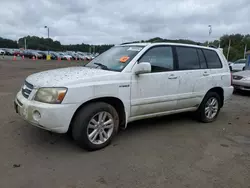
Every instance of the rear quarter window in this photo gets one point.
(212, 58)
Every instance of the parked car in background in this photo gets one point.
(27, 53)
(32, 54)
(80, 56)
(83, 56)
(238, 65)
(72, 54)
(18, 53)
(2, 52)
(8, 51)
(44, 54)
(56, 56)
(241, 80)
(126, 83)
(53, 56)
(65, 56)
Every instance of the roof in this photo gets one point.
(133, 44)
(167, 43)
(248, 52)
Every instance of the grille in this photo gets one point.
(237, 77)
(26, 89)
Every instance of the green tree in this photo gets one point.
(238, 43)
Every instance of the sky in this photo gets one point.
(116, 21)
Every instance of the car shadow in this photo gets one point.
(159, 123)
(63, 143)
(242, 93)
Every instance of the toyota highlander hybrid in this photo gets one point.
(126, 83)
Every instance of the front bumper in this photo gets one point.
(53, 117)
(242, 85)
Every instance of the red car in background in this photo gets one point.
(18, 53)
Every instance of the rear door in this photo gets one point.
(194, 75)
(216, 70)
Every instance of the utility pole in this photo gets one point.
(48, 36)
(228, 50)
(245, 50)
(25, 44)
(209, 32)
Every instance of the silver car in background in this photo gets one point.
(241, 80)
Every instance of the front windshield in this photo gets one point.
(116, 58)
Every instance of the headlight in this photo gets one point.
(50, 95)
(246, 78)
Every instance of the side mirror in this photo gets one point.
(141, 68)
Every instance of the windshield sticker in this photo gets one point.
(137, 49)
(123, 59)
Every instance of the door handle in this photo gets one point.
(172, 77)
(205, 74)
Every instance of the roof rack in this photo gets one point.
(127, 43)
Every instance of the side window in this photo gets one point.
(240, 61)
(213, 60)
(160, 58)
(187, 58)
(202, 59)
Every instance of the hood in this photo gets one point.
(65, 76)
(245, 73)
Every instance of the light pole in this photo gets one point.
(209, 32)
(48, 36)
(25, 44)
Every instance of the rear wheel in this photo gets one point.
(95, 125)
(209, 108)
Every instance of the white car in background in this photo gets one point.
(238, 65)
(65, 56)
(2, 52)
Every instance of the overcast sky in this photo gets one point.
(116, 21)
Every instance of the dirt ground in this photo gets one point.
(173, 151)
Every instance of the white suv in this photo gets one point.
(126, 83)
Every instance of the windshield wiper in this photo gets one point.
(102, 66)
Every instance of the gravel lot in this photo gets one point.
(173, 151)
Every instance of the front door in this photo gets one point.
(155, 92)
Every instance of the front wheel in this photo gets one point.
(95, 125)
(209, 108)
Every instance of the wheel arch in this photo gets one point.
(219, 91)
(113, 101)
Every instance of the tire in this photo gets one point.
(243, 68)
(201, 115)
(81, 125)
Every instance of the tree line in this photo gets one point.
(238, 43)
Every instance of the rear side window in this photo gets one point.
(187, 58)
(213, 60)
(202, 59)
